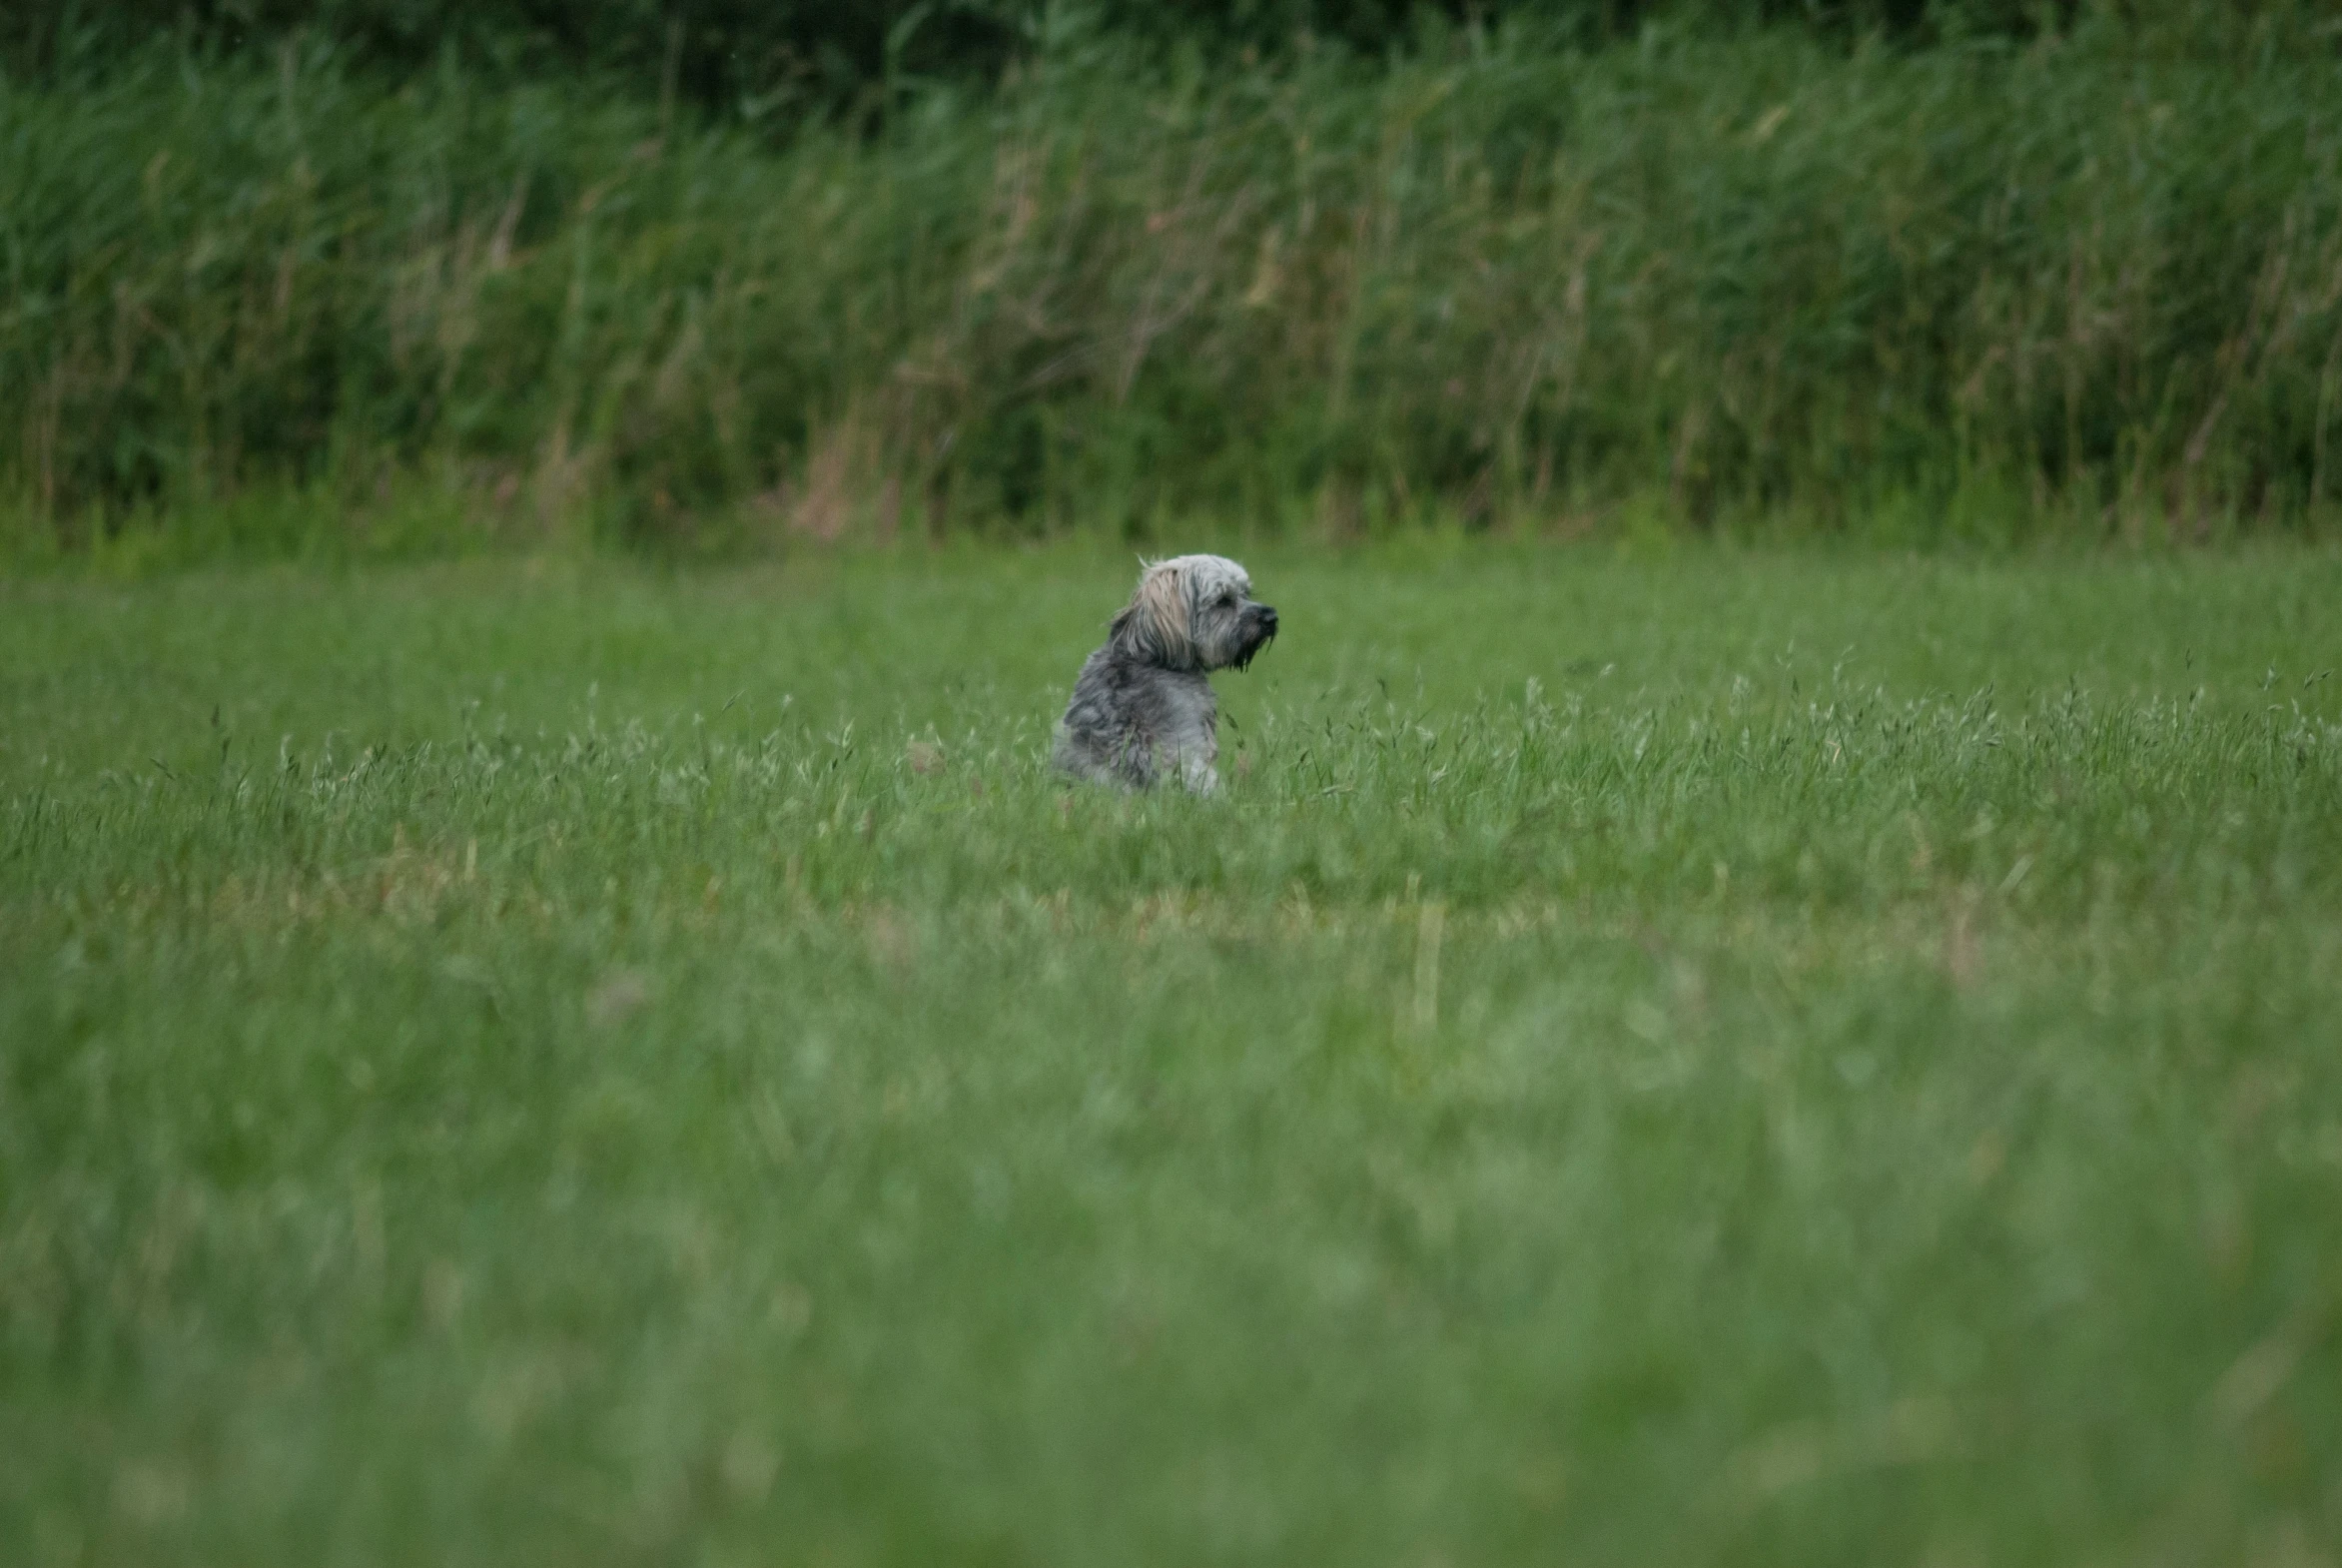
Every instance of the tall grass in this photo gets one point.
(2081, 286)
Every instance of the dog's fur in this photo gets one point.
(1143, 708)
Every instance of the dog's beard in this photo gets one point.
(1249, 650)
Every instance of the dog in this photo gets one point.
(1142, 710)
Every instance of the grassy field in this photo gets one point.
(1756, 1058)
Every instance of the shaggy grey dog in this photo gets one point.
(1142, 710)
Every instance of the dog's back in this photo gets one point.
(1131, 724)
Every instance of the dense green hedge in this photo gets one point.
(723, 54)
(1757, 275)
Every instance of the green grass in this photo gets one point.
(1718, 1058)
(275, 306)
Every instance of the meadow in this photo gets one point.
(1670, 1057)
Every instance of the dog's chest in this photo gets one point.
(1189, 716)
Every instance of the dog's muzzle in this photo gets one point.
(1259, 632)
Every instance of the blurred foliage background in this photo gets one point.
(716, 52)
(403, 274)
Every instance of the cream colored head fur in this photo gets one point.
(1191, 613)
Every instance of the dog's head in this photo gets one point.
(1195, 612)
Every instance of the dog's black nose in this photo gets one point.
(1269, 618)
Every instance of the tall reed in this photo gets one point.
(1756, 282)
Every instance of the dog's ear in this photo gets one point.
(1153, 625)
